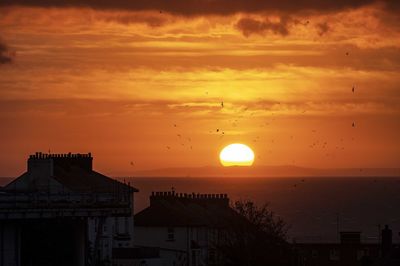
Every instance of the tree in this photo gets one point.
(256, 236)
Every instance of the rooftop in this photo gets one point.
(73, 171)
(182, 209)
(64, 185)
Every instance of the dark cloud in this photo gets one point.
(6, 56)
(249, 26)
(203, 7)
(129, 18)
(323, 28)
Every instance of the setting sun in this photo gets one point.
(236, 154)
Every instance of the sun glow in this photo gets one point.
(236, 154)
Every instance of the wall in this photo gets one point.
(179, 250)
(9, 245)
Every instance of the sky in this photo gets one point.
(140, 84)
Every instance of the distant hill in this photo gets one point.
(258, 171)
(266, 171)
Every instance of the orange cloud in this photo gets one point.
(6, 55)
(115, 82)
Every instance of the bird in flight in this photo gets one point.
(222, 104)
(353, 125)
(353, 89)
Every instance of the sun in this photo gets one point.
(236, 154)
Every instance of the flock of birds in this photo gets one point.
(241, 113)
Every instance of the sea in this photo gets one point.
(315, 209)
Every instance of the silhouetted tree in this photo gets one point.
(255, 237)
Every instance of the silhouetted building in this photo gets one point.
(185, 227)
(349, 252)
(61, 212)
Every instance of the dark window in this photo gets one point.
(126, 225)
(170, 234)
(211, 256)
(194, 258)
(314, 253)
(334, 254)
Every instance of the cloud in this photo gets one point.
(249, 26)
(6, 56)
(132, 18)
(238, 109)
(323, 28)
(205, 7)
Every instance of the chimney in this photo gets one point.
(44, 164)
(386, 240)
(39, 165)
(204, 199)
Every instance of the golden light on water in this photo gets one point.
(236, 154)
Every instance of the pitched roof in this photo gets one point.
(73, 171)
(80, 180)
(182, 211)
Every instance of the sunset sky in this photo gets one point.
(143, 82)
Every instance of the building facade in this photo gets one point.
(185, 227)
(62, 212)
(350, 251)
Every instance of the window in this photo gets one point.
(314, 253)
(366, 251)
(334, 254)
(126, 225)
(211, 256)
(360, 254)
(116, 225)
(170, 234)
(194, 258)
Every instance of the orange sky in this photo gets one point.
(114, 80)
